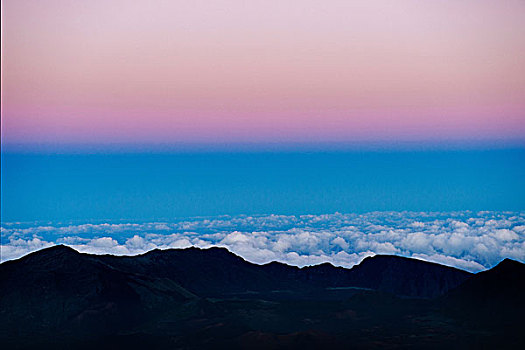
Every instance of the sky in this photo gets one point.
(298, 131)
(262, 72)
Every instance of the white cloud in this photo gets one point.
(20, 247)
(505, 235)
(472, 241)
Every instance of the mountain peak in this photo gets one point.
(60, 248)
(386, 260)
(407, 276)
(53, 252)
(509, 263)
(507, 266)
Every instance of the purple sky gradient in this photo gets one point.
(175, 72)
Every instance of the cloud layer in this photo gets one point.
(467, 240)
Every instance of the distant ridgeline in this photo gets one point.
(211, 298)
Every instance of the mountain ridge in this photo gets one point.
(211, 298)
(61, 248)
(388, 273)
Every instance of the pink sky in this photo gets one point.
(120, 71)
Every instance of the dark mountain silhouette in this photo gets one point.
(498, 292)
(217, 272)
(406, 277)
(59, 287)
(211, 298)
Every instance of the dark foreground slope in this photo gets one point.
(194, 298)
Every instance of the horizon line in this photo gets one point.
(260, 147)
